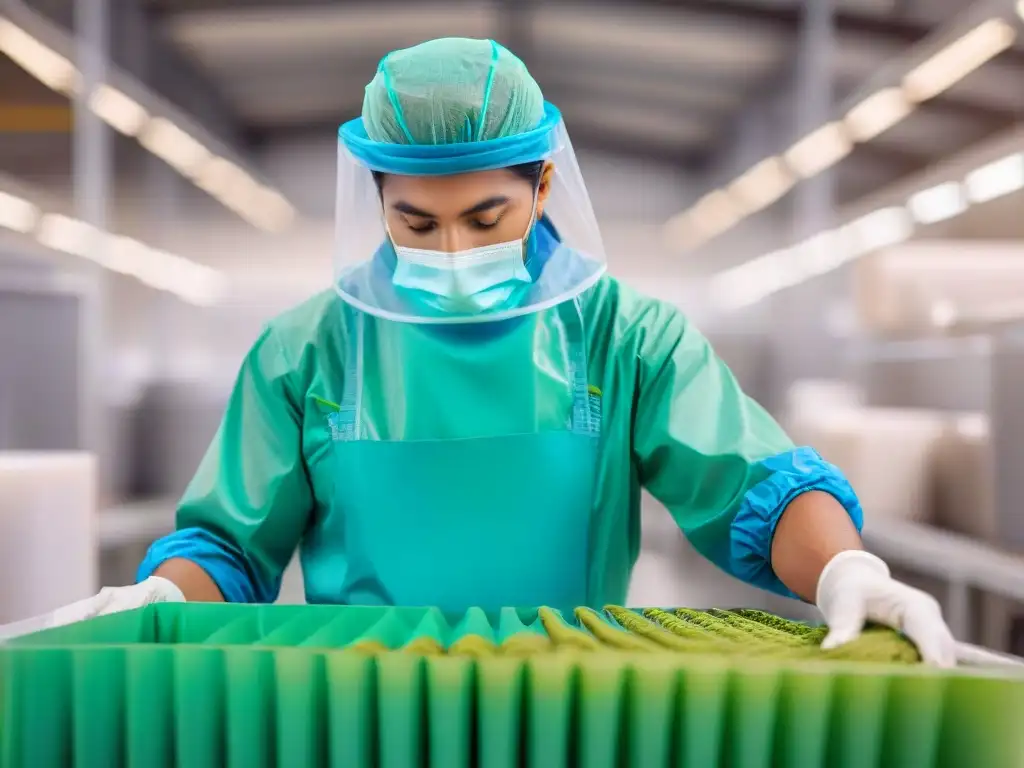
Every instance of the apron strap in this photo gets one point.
(584, 420)
(345, 423)
(586, 404)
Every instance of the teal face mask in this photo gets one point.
(466, 282)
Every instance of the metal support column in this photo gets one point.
(802, 347)
(92, 161)
(163, 189)
(1006, 418)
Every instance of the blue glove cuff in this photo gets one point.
(791, 474)
(221, 562)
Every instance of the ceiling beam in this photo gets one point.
(36, 118)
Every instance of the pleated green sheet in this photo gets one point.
(199, 686)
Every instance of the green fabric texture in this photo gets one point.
(451, 91)
(674, 421)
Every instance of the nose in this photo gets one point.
(451, 242)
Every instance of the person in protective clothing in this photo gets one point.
(468, 418)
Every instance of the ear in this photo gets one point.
(547, 176)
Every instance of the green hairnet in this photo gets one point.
(451, 91)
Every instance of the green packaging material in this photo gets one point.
(203, 686)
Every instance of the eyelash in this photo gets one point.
(475, 223)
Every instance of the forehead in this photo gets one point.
(459, 192)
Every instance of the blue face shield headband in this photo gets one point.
(448, 159)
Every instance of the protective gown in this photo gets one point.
(418, 457)
(674, 421)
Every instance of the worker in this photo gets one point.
(469, 416)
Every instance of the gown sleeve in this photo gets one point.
(723, 467)
(249, 504)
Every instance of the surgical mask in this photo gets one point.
(470, 281)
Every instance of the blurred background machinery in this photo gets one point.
(832, 190)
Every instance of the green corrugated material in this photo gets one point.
(258, 686)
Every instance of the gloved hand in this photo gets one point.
(856, 587)
(155, 589)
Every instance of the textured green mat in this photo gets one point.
(251, 686)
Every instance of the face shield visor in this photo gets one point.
(463, 232)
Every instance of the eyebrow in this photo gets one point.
(403, 207)
(484, 205)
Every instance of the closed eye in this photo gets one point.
(478, 224)
(427, 226)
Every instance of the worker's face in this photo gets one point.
(456, 213)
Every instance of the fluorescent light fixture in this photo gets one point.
(62, 233)
(175, 147)
(272, 212)
(763, 184)
(206, 288)
(996, 179)
(711, 215)
(43, 63)
(226, 181)
(192, 282)
(880, 229)
(819, 150)
(938, 203)
(822, 252)
(188, 280)
(1020, 8)
(125, 255)
(755, 280)
(957, 60)
(119, 111)
(715, 212)
(877, 114)
(17, 214)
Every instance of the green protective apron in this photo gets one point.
(491, 521)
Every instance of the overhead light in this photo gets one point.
(225, 180)
(43, 63)
(996, 179)
(174, 146)
(755, 280)
(272, 211)
(712, 214)
(819, 150)
(715, 212)
(68, 235)
(206, 288)
(17, 214)
(877, 114)
(190, 281)
(880, 229)
(125, 255)
(1020, 8)
(119, 111)
(957, 60)
(822, 252)
(763, 184)
(938, 203)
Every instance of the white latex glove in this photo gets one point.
(856, 587)
(155, 589)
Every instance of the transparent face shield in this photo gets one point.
(450, 266)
